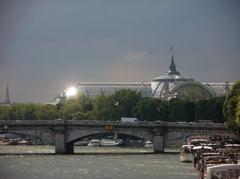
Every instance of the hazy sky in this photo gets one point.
(47, 45)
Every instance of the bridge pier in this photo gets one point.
(158, 144)
(158, 140)
(61, 147)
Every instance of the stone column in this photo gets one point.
(158, 140)
(60, 147)
(158, 144)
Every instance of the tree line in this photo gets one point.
(232, 108)
(123, 103)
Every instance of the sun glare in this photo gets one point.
(71, 91)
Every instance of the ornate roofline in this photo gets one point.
(172, 68)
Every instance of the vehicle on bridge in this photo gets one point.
(129, 119)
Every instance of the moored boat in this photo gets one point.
(186, 153)
(148, 144)
(109, 142)
(24, 142)
(223, 171)
(203, 148)
(197, 140)
(94, 143)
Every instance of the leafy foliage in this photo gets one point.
(238, 109)
(76, 108)
(46, 112)
(210, 109)
(123, 103)
(231, 108)
(103, 108)
(151, 109)
(117, 105)
(180, 110)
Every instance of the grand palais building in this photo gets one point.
(169, 85)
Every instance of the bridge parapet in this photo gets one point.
(65, 132)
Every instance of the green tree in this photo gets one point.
(231, 107)
(79, 108)
(210, 109)
(238, 109)
(151, 109)
(69, 108)
(22, 112)
(122, 103)
(86, 103)
(5, 112)
(46, 112)
(180, 110)
(28, 111)
(103, 108)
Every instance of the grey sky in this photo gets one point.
(48, 45)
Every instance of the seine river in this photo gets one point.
(39, 162)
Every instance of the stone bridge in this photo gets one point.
(63, 133)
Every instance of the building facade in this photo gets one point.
(169, 85)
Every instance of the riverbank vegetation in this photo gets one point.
(123, 103)
(232, 108)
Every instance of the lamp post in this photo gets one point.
(115, 104)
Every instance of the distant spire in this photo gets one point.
(7, 99)
(171, 51)
(227, 88)
(172, 67)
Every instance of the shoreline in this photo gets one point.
(81, 150)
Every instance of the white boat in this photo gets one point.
(24, 142)
(197, 140)
(186, 153)
(81, 143)
(94, 143)
(148, 144)
(204, 148)
(232, 146)
(223, 171)
(109, 142)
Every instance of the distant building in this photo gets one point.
(173, 85)
(7, 97)
(170, 85)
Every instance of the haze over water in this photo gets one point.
(138, 163)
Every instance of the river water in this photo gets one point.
(40, 162)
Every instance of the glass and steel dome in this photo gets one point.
(173, 85)
(172, 75)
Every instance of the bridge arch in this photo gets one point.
(109, 135)
(39, 136)
(20, 136)
(76, 135)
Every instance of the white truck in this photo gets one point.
(129, 119)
